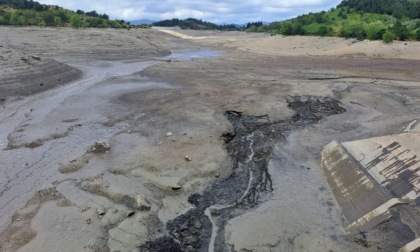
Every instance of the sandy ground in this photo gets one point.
(159, 101)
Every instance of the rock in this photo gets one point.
(142, 204)
(88, 221)
(176, 187)
(34, 144)
(215, 212)
(169, 134)
(99, 147)
(197, 224)
(187, 158)
(191, 240)
(100, 211)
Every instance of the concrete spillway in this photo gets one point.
(372, 176)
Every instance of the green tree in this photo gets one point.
(3, 21)
(75, 21)
(95, 22)
(286, 28)
(400, 31)
(49, 19)
(388, 36)
(21, 20)
(353, 29)
(418, 34)
(13, 20)
(63, 16)
(323, 30)
(375, 30)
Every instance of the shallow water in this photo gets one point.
(190, 55)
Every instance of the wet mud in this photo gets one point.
(250, 146)
(390, 235)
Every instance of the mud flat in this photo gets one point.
(202, 141)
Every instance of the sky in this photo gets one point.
(216, 11)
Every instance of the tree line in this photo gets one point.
(195, 24)
(29, 12)
(396, 8)
(361, 19)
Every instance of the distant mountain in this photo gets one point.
(195, 24)
(236, 25)
(142, 21)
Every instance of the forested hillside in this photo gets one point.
(396, 8)
(28, 12)
(195, 24)
(361, 19)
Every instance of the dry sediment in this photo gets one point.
(24, 74)
(249, 182)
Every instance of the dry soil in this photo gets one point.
(219, 132)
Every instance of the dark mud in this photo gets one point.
(390, 235)
(250, 147)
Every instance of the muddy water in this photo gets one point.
(38, 134)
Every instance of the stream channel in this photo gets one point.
(250, 146)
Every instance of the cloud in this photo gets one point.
(185, 13)
(235, 11)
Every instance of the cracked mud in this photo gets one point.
(250, 146)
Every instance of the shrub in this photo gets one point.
(353, 29)
(375, 30)
(388, 36)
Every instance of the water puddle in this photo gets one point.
(191, 55)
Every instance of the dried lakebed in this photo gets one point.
(250, 146)
(220, 181)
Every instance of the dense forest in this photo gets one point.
(195, 24)
(28, 12)
(396, 8)
(362, 19)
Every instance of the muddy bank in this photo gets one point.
(34, 60)
(102, 44)
(250, 147)
(25, 74)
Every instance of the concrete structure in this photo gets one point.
(369, 177)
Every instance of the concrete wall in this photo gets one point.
(370, 176)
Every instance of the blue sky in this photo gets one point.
(217, 11)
